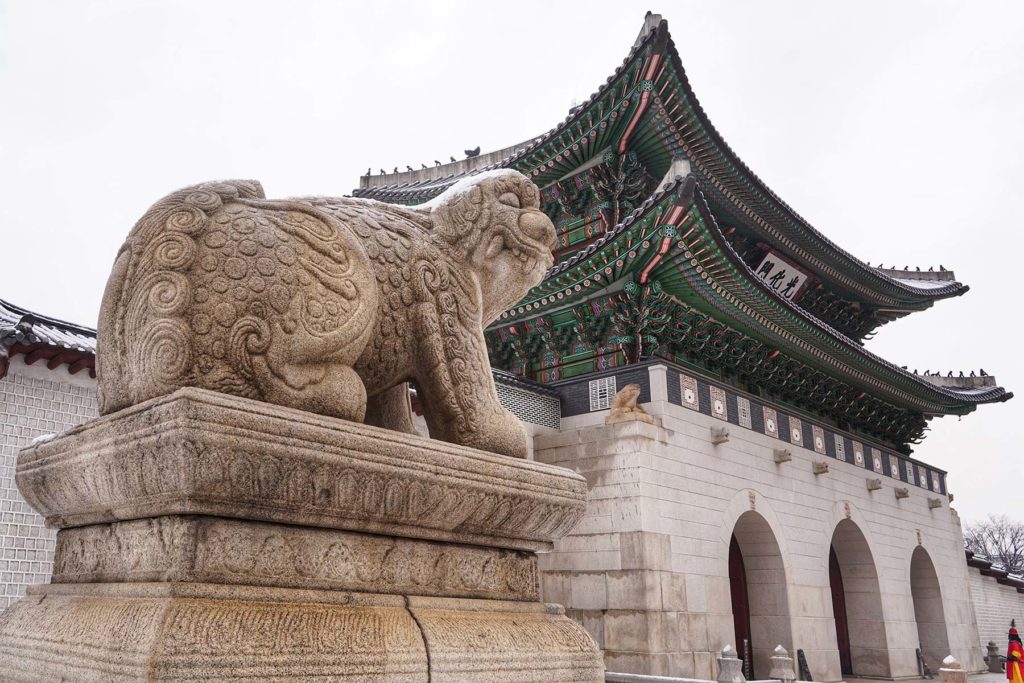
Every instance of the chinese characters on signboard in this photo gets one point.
(781, 275)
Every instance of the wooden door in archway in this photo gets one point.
(835, 578)
(740, 604)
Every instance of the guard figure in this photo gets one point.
(1014, 656)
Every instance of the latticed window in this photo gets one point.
(601, 392)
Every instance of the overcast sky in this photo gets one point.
(896, 128)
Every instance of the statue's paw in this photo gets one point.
(504, 435)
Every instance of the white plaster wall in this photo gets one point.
(672, 483)
(995, 605)
(33, 401)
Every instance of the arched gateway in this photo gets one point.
(857, 604)
(757, 583)
(928, 612)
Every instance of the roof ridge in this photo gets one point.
(574, 113)
(770, 194)
(56, 322)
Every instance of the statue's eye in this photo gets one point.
(510, 199)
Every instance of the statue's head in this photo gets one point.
(493, 223)
(628, 395)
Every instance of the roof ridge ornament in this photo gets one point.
(651, 22)
(678, 169)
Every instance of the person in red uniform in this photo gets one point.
(1014, 656)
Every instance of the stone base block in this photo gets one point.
(206, 537)
(200, 549)
(189, 632)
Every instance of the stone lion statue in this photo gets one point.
(624, 407)
(329, 305)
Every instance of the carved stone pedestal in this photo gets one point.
(208, 537)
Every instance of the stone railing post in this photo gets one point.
(951, 671)
(995, 665)
(730, 667)
(782, 666)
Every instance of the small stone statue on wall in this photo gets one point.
(329, 305)
(625, 409)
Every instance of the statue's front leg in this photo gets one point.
(459, 400)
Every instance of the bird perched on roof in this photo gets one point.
(452, 158)
(942, 267)
(918, 268)
(470, 153)
(396, 170)
(436, 162)
(931, 268)
(383, 172)
(423, 166)
(983, 373)
(906, 267)
(408, 167)
(950, 374)
(961, 373)
(368, 171)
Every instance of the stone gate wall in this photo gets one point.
(995, 604)
(646, 571)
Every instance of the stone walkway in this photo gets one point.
(987, 678)
(973, 678)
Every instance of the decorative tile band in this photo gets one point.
(707, 398)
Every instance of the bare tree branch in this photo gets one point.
(998, 538)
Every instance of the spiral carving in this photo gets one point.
(249, 335)
(204, 200)
(173, 250)
(164, 350)
(228, 191)
(168, 292)
(188, 220)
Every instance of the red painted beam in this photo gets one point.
(58, 359)
(36, 354)
(79, 365)
(641, 108)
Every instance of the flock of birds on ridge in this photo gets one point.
(942, 268)
(937, 373)
(470, 153)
